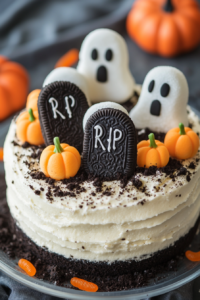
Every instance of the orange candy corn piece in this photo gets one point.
(84, 285)
(192, 256)
(27, 266)
(1, 154)
(68, 59)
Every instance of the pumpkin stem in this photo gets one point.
(168, 7)
(31, 118)
(152, 140)
(58, 148)
(182, 129)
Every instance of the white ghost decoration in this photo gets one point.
(71, 75)
(99, 106)
(163, 100)
(104, 62)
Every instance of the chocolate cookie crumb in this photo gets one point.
(182, 171)
(188, 178)
(136, 182)
(37, 192)
(25, 145)
(191, 166)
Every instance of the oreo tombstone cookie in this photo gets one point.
(61, 107)
(110, 144)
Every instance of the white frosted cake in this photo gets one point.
(101, 221)
(89, 191)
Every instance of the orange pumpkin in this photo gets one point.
(60, 161)
(152, 153)
(165, 27)
(182, 142)
(28, 128)
(32, 100)
(14, 84)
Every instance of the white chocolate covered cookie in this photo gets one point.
(163, 100)
(104, 62)
(71, 75)
(99, 106)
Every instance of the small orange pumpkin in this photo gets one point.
(165, 27)
(32, 100)
(152, 153)
(60, 161)
(14, 84)
(28, 128)
(182, 142)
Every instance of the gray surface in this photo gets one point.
(36, 33)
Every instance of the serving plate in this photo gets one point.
(186, 271)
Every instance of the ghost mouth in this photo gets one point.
(102, 74)
(155, 108)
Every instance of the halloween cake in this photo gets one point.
(110, 193)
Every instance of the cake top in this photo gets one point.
(94, 156)
(85, 192)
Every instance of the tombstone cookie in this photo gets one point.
(102, 105)
(61, 107)
(68, 74)
(104, 62)
(109, 147)
(163, 100)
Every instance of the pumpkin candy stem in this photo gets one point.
(182, 129)
(152, 141)
(31, 118)
(58, 148)
(168, 7)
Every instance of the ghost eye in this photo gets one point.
(109, 55)
(94, 54)
(164, 91)
(151, 86)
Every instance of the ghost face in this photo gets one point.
(104, 62)
(163, 100)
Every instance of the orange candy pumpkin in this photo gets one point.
(68, 59)
(165, 27)
(28, 128)
(192, 256)
(27, 266)
(84, 285)
(182, 142)
(60, 161)
(152, 153)
(14, 84)
(32, 100)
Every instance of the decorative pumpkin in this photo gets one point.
(32, 100)
(14, 84)
(1, 154)
(165, 27)
(60, 161)
(182, 142)
(68, 59)
(28, 128)
(152, 153)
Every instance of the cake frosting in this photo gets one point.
(115, 224)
